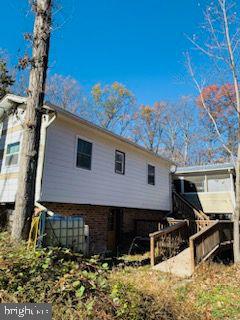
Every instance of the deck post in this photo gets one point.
(152, 250)
(192, 255)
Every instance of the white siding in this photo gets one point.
(64, 182)
(11, 132)
(8, 188)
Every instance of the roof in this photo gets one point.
(206, 168)
(6, 101)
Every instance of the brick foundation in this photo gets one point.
(96, 217)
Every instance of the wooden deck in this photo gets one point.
(197, 236)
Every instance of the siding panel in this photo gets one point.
(64, 182)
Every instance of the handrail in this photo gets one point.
(177, 228)
(204, 243)
(203, 231)
(197, 212)
(167, 230)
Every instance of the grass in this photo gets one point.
(217, 290)
(212, 293)
(86, 289)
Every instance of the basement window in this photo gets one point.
(119, 162)
(84, 154)
(151, 175)
(12, 154)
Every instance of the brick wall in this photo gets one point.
(96, 218)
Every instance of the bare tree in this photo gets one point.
(67, 93)
(178, 130)
(24, 203)
(223, 50)
(148, 127)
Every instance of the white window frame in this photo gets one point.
(11, 154)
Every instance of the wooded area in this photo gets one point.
(193, 130)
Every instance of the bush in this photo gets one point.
(78, 288)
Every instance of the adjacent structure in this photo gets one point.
(209, 188)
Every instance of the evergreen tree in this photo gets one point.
(6, 80)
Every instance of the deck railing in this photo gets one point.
(171, 238)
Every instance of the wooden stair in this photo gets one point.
(185, 209)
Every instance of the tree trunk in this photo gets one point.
(25, 197)
(236, 248)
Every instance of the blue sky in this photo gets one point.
(137, 42)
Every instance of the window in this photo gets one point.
(151, 175)
(84, 154)
(119, 162)
(12, 154)
(194, 184)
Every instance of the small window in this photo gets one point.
(12, 154)
(119, 162)
(151, 175)
(84, 154)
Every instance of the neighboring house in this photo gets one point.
(86, 170)
(210, 188)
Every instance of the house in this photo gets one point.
(210, 188)
(113, 183)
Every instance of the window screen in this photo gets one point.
(12, 153)
(218, 183)
(84, 154)
(151, 175)
(194, 184)
(119, 162)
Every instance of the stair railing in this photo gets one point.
(182, 206)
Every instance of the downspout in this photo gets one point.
(41, 158)
(42, 208)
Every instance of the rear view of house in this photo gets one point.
(117, 186)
